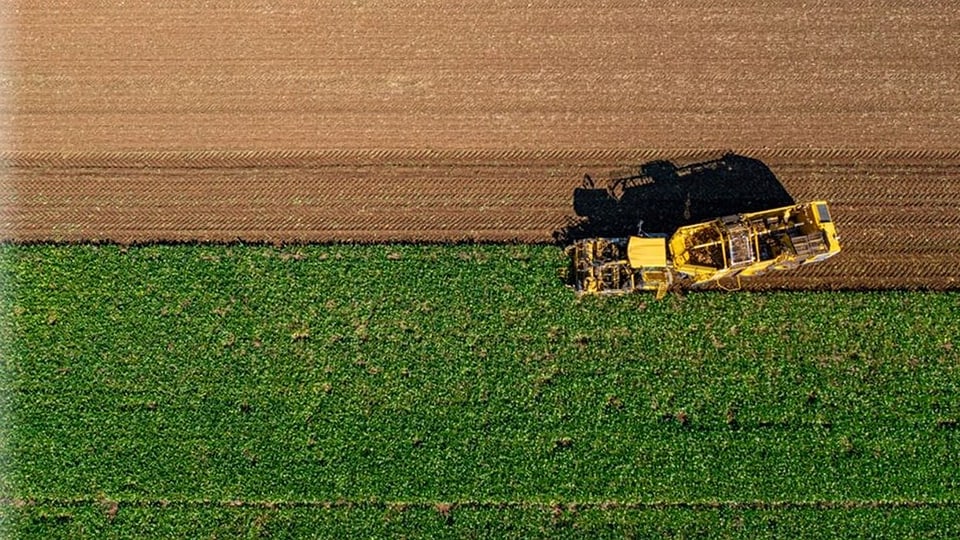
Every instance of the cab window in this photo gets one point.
(823, 214)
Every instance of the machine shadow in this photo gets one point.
(664, 197)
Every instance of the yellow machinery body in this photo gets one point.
(696, 255)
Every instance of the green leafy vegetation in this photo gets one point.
(494, 521)
(440, 390)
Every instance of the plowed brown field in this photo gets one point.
(439, 122)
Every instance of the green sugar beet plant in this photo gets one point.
(451, 390)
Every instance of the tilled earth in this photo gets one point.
(399, 122)
(898, 214)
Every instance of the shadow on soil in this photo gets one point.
(665, 196)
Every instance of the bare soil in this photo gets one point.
(294, 122)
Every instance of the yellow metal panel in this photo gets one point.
(647, 252)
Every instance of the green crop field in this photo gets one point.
(459, 391)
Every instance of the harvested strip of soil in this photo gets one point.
(898, 213)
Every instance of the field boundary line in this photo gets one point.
(853, 504)
(412, 157)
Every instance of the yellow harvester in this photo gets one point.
(704, 253)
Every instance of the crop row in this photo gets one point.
(442, 520)
(462, 373)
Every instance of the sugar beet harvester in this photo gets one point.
(704, 253)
